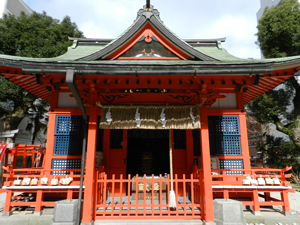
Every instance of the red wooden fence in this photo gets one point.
(126, 198)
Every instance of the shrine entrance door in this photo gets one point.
(147, 152)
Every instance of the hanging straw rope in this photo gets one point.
(172, 197)
(98, 103)
(146, 106)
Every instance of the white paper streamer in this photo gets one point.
(137, 118)
(108, 117)
(163, 118)
(192, 115)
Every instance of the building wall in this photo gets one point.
(264, 4)
(14, 7)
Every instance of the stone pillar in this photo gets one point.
(228, 212)
(65, 212)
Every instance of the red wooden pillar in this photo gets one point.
(207, 198)
(244, 141)
(54, 99)
(189, 152)
(256, 207)
(50, 134)
(285, 199)
(39, 199)
(89, 195)
(7, 206)
(106, 150)
(50, 142)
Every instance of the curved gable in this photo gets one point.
(148, 21)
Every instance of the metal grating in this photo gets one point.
(225, 145)
(68, 145)
(232, 164)
(68, 125)
(224, 125)
(65, 164)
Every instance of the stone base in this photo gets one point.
(287, 213)
(208, 223)
(91, 223)
(37, 213)
(6, 214)
(256, 213)
(65, 212)
(62, 223)
(228, 212)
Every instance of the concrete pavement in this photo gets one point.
(268, 216)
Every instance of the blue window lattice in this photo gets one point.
(224, 135)
(68, 125)
(232, 164)
(224, 125)
(68, 135)
(225, 145)
(65, 164)
(68, 145)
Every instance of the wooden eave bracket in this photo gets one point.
(70, 81)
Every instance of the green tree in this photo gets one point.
(278, 153)
(37, 36)
(279, 36)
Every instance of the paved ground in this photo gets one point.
(268, 216)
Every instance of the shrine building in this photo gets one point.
(147, 125)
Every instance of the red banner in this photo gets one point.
(39, 156)
(2, 150)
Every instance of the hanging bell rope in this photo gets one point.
(172, 197)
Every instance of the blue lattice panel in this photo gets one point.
(225, 145)
(68, 145)
(232, 164)
(224, 125)
(65, 164)
(68, 125)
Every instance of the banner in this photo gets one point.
(39, 156)
(2, 150)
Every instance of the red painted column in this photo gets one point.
(7, 206)
(286, 205)
(244, 141)
(106, 150)
(50, 142)
(189, 152)
(54, 99)
(207, 197)
(89, 182)
(240, 100)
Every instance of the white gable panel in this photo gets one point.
(228, 103)
(64, 100)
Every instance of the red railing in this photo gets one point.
(236, 176)
(131, 198)
(41, 194)
(228, 184)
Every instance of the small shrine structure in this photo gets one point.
(143, 118)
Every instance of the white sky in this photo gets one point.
(189, 19)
